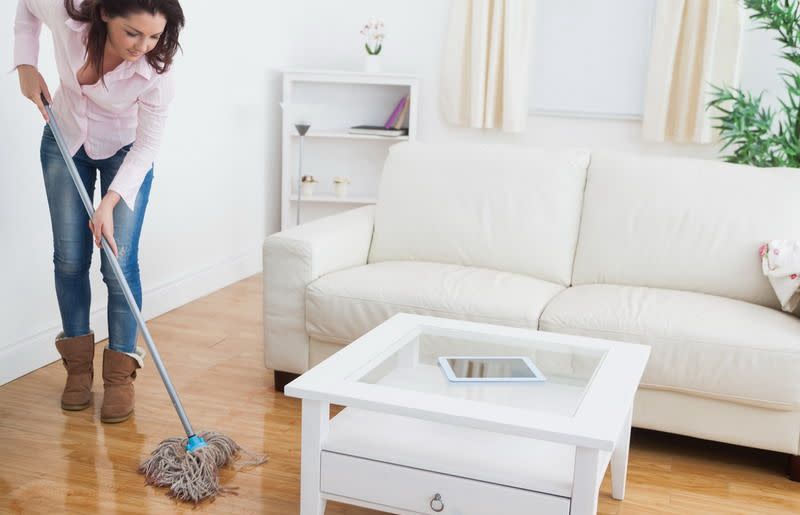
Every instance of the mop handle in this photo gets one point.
(87, 203)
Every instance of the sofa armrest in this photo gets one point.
(292, 260)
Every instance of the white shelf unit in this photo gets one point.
(345, 99)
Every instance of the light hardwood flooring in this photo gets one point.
(55, 462)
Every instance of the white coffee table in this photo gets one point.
(410, 441)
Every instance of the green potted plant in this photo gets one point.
(754, 133)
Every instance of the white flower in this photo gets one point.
(374, 34)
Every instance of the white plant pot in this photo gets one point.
(372, 63)
(307, 189)
(340, 189)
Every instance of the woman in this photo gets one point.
(113, 59)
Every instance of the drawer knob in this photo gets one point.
(437, 504)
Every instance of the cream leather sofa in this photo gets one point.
(642, 249)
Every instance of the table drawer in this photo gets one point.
(409, 489)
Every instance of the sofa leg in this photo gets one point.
(283, 378)
(794, 468)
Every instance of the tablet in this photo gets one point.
(490, 368)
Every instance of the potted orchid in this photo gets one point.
(373, 32)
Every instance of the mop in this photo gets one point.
(189, 466)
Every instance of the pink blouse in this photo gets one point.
(132, 107)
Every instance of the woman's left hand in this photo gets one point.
(102, 223)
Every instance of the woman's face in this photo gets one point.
(132, 36)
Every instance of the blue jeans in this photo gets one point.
(73, 243)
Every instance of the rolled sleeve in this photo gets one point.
(27, 28)
(152, 114)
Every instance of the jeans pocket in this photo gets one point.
(47, 134)
(48, 147)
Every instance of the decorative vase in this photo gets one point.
(307, 189)
(340, 189)
(372, 63)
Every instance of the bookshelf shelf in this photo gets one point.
(332, 199)
(338, 100)
(343, 134)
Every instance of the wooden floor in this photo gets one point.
(55, 462)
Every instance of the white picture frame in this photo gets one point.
(451, 374)
(597, 70)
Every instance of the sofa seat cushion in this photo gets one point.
(344, 305)
(702, 345)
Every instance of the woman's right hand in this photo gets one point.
(32, 85)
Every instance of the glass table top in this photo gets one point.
(415, 366)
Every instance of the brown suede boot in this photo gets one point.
(77, 354)
(119, 371)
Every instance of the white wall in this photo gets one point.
(207, 214)
(325, 35)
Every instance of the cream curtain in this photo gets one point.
(485, 76)
(695, 44)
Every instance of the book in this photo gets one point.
(395, 113)
(403, 116)
(377, 130)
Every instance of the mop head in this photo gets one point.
(193, 476)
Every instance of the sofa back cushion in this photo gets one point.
(684, 224)
(503, 207)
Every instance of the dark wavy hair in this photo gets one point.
(90, 11)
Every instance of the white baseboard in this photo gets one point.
(35, 351)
